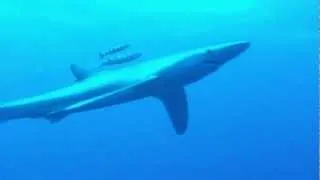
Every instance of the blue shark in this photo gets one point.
(164, 78)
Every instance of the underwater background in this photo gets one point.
(254, 119)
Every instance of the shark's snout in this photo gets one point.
(226, 52)
(237, 48)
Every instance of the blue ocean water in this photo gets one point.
(254, 119)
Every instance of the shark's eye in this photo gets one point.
(209, 51)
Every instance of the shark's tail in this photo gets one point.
(11, 112)
(7, 114)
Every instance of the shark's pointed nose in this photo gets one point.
(226, 52)
(238, 47)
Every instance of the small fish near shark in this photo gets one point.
(163, 78)
(108, 58)
(114, 50)
(122, 59)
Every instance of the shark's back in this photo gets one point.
(37, 106)
(41, 105)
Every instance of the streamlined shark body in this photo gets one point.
(163, 78)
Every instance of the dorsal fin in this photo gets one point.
(78, 72)
(101, 55)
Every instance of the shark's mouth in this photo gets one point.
(212, 62)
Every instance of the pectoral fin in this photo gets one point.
(176, 104)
